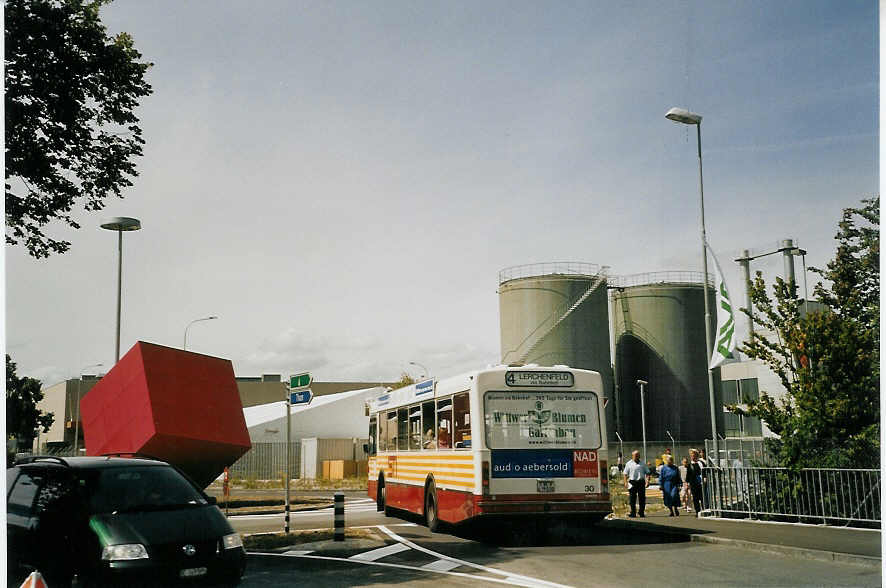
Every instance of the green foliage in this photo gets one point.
(22, 416)
(405, 380)
(828, 360)
(71, 133)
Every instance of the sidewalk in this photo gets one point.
(801, 540)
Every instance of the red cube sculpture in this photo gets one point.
(175, 405)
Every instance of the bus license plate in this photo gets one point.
(192, 572)
(545, 485)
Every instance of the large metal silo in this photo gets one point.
(658, 333)
(557, 313)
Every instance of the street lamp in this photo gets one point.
(205, 318)
(643, 384)
(120, 224)
(77, 421)
(685, 117)
(427, 372)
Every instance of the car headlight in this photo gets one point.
(128, 551)
(232, 541)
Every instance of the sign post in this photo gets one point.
(296, 393)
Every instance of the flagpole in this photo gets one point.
(707, 310)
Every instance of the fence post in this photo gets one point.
(339, 533)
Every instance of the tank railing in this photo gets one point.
(652, 278)
(567, 268)
(600, 279)
(830, 496)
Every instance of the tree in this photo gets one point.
(828, 360)
(71, 133)
(405, 380)
(23, 418)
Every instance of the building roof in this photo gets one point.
(265, 413)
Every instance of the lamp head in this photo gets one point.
(681, 115)
(642, 382)
(121, 223)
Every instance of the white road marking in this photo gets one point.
(296, 552)
(392, 565)
(441, 565)
(510, 577)
(380, 552)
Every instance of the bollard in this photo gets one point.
(339, 533)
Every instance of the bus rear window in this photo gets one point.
(542, 419)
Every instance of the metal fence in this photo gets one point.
(267, 461)
(830, 496)
(751, 451)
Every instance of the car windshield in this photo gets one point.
(140, 488)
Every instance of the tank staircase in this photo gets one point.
(597, 281)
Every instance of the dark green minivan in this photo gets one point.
(113, 520)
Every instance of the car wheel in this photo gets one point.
(431, 513)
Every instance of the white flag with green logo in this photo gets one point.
(724, 341)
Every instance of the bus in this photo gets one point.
(504, 441)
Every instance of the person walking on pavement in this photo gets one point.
(636, 476)
(685, 493)
(693, 473)
(670, 481)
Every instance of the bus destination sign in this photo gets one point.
(540, 379)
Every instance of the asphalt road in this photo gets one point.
(408, 553)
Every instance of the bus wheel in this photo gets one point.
(380, 496)
(431, 514)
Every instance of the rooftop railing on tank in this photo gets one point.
(653, 278)
(564, 268)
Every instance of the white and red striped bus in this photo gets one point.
(500, 441)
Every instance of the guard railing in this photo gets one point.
(812, 495)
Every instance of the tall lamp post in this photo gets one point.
(77, 421)
(120, 224)
(685, 117)
(415, 363)
(643, 384)
(205, 318)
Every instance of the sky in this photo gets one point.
(341, 182)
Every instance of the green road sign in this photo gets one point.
(300, 381)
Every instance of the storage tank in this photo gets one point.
(659, 337)
(556, 313)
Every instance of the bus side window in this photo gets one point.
(444, 423)
(391, 429)
(462, 417)
(372, 432)
(429, 440)
(402, 429)
(415, 427)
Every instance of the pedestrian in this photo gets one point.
(636, 474)
(706, 473)
(670, 481)
(685, 493)
(693, 472)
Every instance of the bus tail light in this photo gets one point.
(604, 473)
(485, 479)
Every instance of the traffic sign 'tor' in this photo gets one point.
(301, 397)
(300, 380)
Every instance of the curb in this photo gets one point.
(276, 510)
(785, 550)
(795, 552)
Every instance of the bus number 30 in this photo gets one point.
(590, 488)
